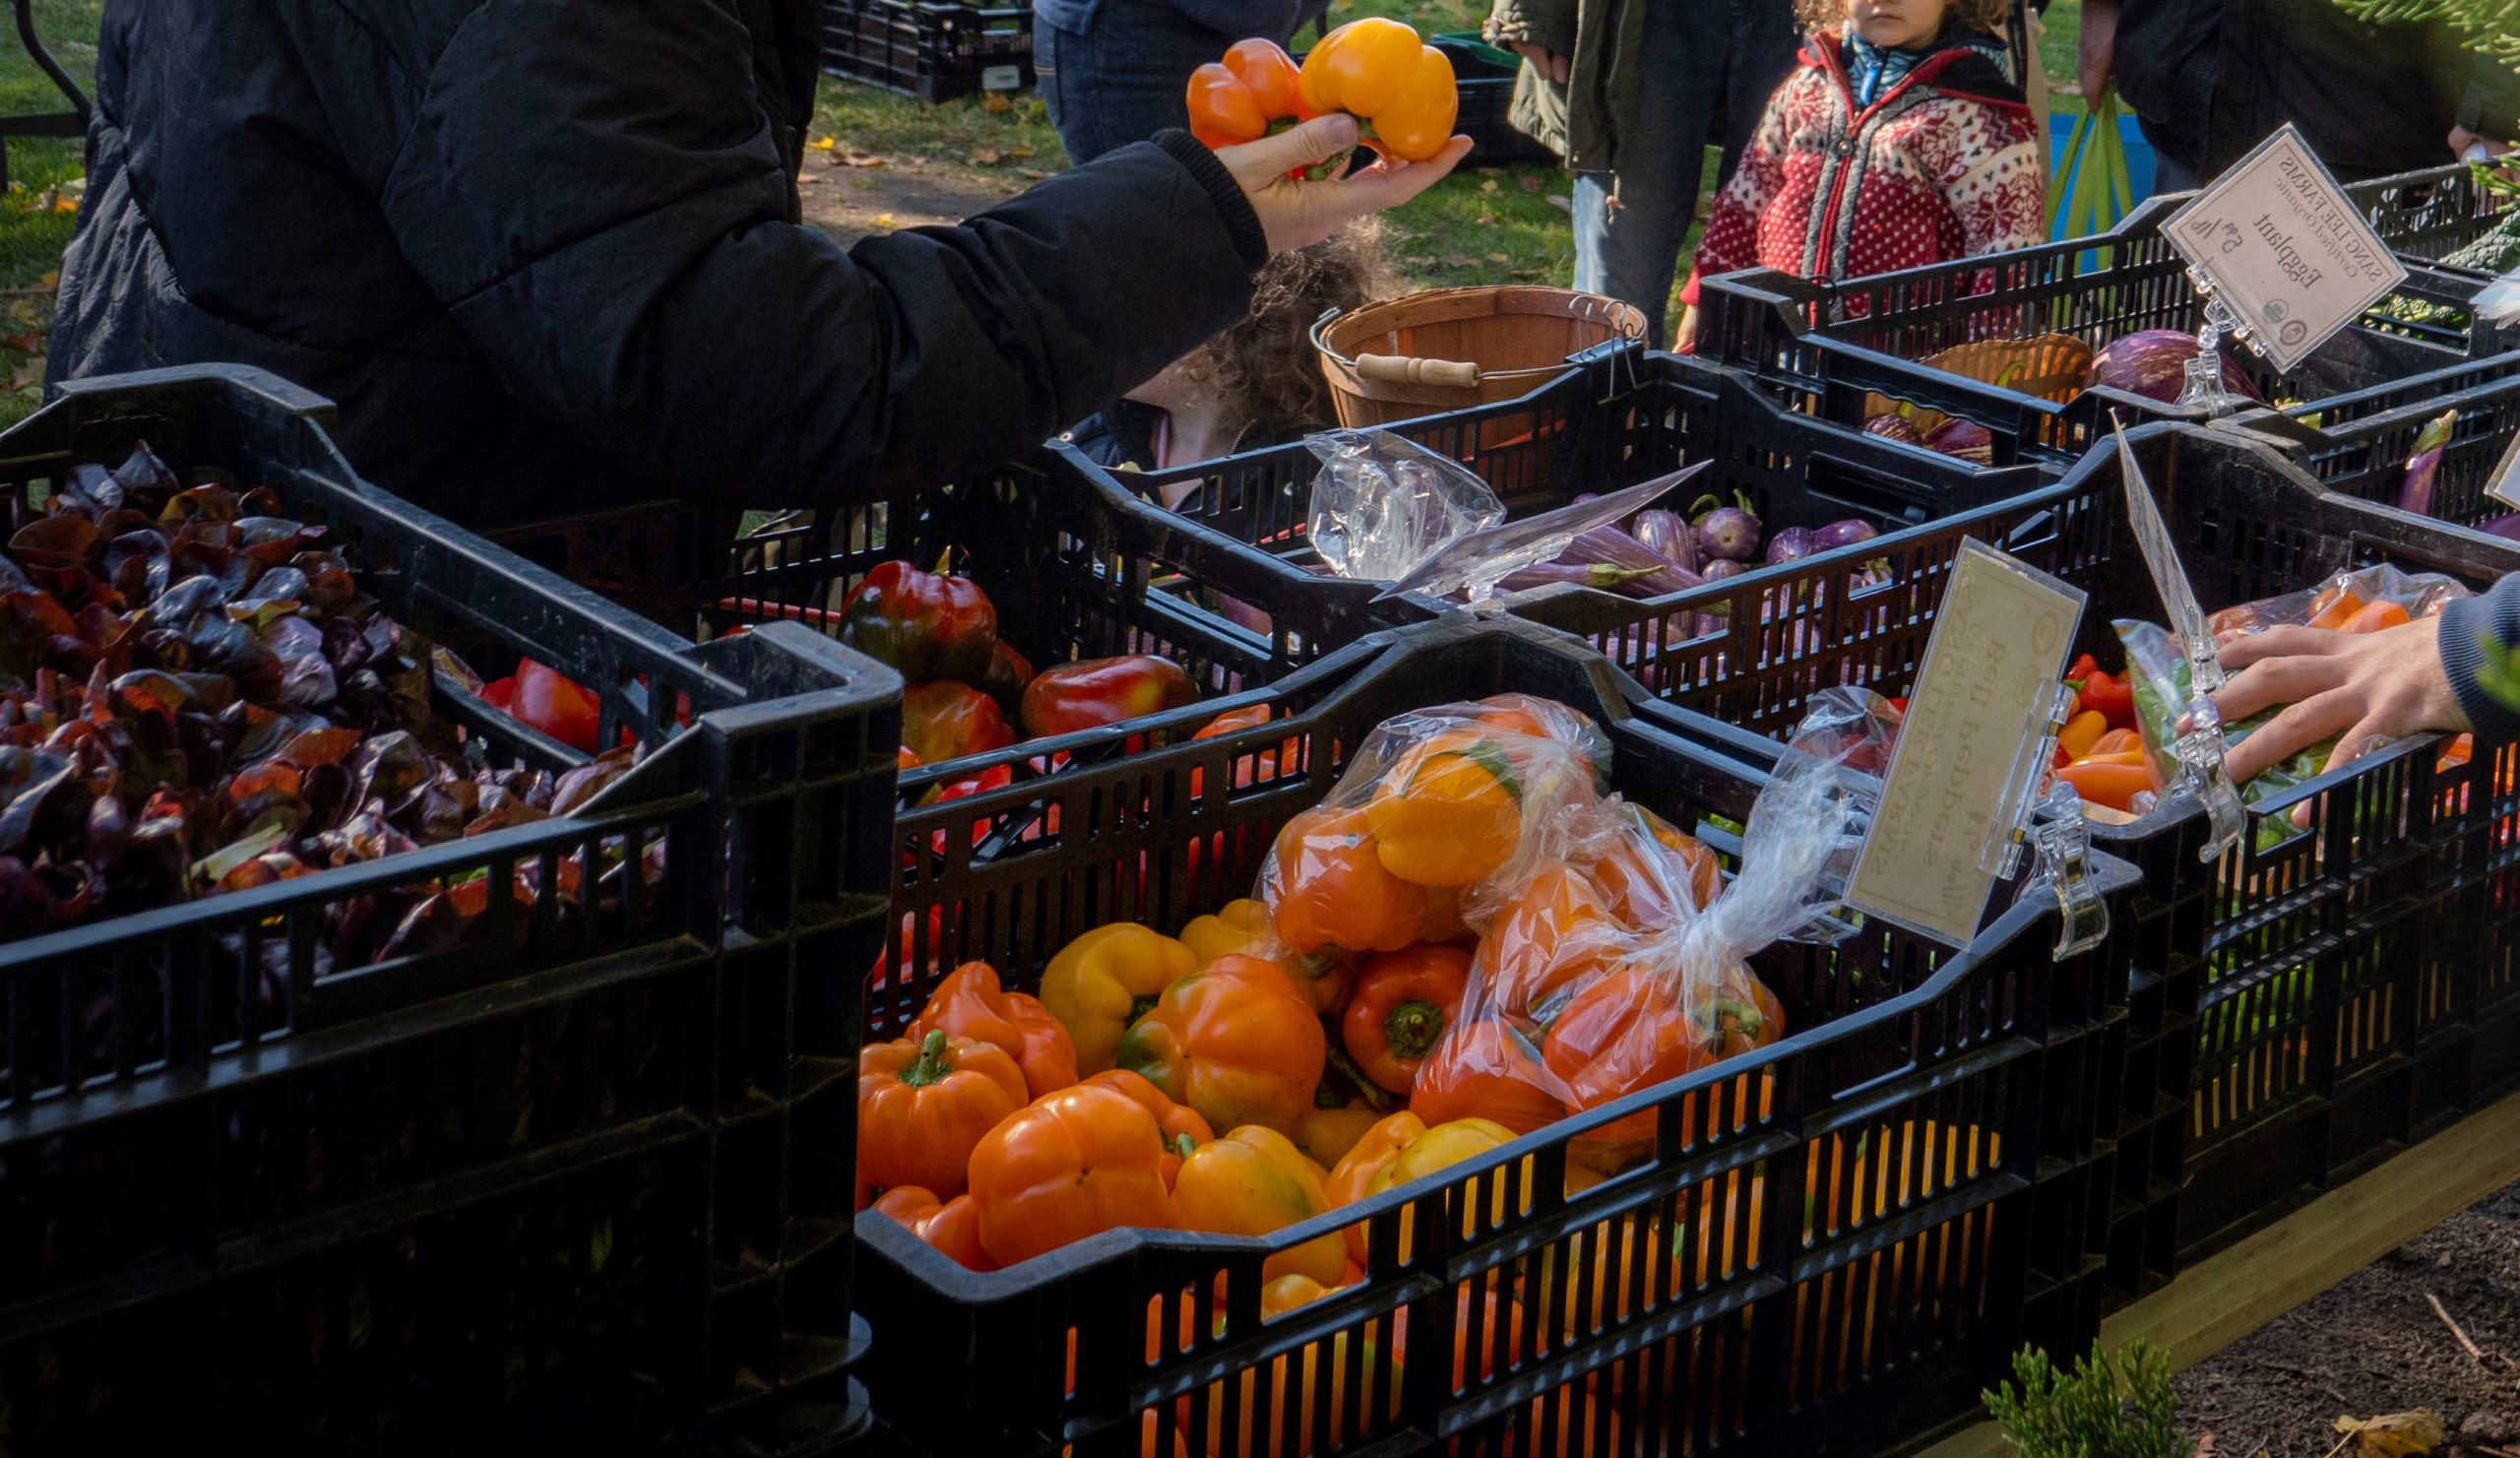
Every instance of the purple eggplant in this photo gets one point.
(1721, 568)
(1729, 532)
(2424, 467)
(1665, 532)
(1608, 546)
(1789, 544)
(1840, 534)
(2504, 527)
(1599, 575)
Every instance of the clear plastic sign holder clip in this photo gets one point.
(1472, 564)
(2199, 746)
(2058, 840)
(2204, 390)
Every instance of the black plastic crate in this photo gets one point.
(2429, 215)
(1825, 347)
(1880, 1325)
(936, 52)
(2359, 444)
(1077, 568)
(2309, 1004)
(562, 1186)
(1622, 419)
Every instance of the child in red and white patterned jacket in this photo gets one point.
(1900, 140)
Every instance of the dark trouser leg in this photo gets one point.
(1631, 249)
(1765, 44)
(1122, 81)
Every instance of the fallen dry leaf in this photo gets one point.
(1486, 219)
(997, 105)
(1500, 258)
(1488, 186)
(856, 159)
(824, 144)
(28, 376)
(2393, 1434)
(51, 279)
(1530, 273)
(986, 157)
(1034, 173)
(1018, 153)
(885, 220)
(1531, 183)
(1458, 261)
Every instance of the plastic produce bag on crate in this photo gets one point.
(1382, 504)
(1609, 955)
(2364, 600)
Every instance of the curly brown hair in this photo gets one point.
(1265, 365)
(1988, 16)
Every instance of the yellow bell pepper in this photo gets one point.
(1326, 1132)
(1402, 1148)
(1104, 981)
(1246, 928)
(1251, 1182)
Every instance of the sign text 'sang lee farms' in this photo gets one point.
(2293, 255)
(1973, 720)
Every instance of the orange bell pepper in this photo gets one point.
(1486, 1069)
(1245, 928)
(1401, 92)
(2335, 608)
(1235, 1042)
(1106, 980)
(952, 1226)
(1069, 1164)
(968, 1003)
(923, 1106)
(1251, 1182)
(1182, 1128)
(1403, 1002)
(1559, 934)
(1249, 95)
(1641, 887)
(2081, 733)
(1451, 810)
(1327, 890)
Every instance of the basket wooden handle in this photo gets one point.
(1400, 369)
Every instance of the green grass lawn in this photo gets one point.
(36, 213)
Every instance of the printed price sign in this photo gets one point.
(1973, 745)
(2504, 485)
(2281, 243)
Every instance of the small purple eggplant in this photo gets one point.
(2504, 527)
(1600, 575)
(1721, 568)
(1840, 534)
(1729, 532)
(1789, 544)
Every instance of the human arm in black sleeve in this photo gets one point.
(596, 192)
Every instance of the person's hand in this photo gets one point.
(1298, 214)
(2096, 52)
(2360, 688)
(1556, 65)
(1684, 337)
(2461, 139)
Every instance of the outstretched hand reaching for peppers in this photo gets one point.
(1297, 215)
(2362, 689)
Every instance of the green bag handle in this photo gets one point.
(2093, 188)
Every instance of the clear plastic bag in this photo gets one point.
(1609, 956)
(1381, 505)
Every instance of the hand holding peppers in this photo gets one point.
(1377, 71)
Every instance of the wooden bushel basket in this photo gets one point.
(1450, 348)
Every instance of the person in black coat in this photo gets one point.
(547, 254)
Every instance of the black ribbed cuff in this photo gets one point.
(1233, 206)
(2464, 624)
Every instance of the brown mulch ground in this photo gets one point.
(2373, 1345)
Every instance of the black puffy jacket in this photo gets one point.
(547, 254)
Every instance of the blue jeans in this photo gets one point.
(1706, 64)
(1123, 79)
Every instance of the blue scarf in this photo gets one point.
(1873, 70)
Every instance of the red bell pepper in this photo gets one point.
(2111, 697)
(1008, 672)
(995, 776)
(1068, 697)
(924, 624)
(945, 721)
(547, 702)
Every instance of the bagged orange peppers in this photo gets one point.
(968, 1003)
(1070, 1165)
(1246, 928)
(1235, 1042)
